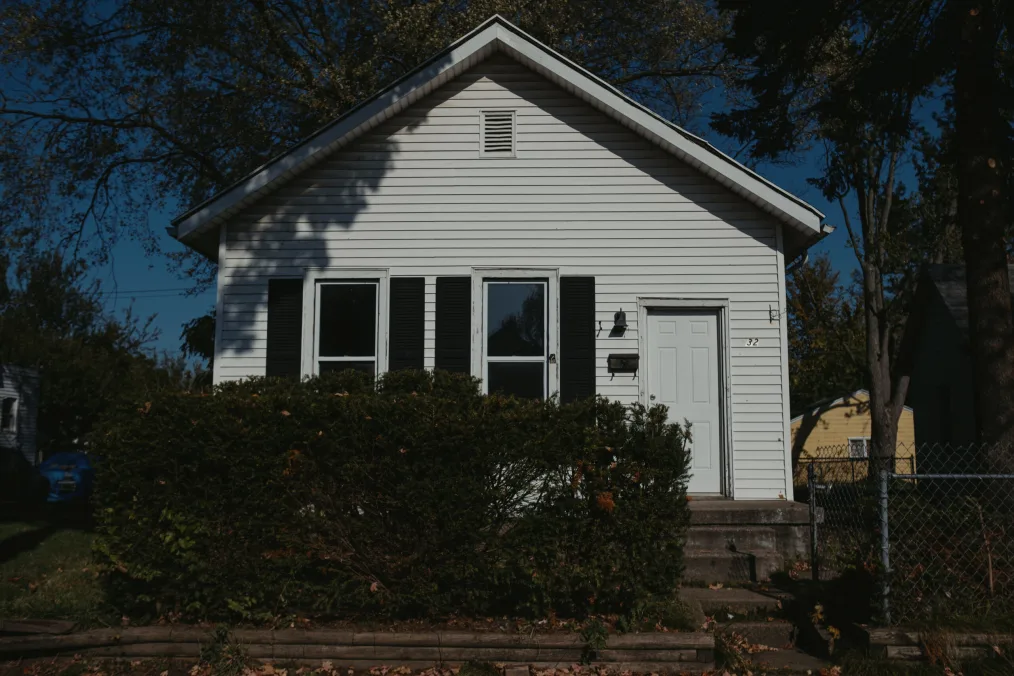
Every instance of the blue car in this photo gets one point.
(70, 476)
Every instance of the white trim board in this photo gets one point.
(498, 35)
(311, 278)
(552, 276)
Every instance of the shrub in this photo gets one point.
(417, 497)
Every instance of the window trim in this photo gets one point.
(13, 429)
(312, 278)
(478, 346)
(866, 446)
(517, 359)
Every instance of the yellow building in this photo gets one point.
(839, 429)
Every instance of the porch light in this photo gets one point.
(620, 320)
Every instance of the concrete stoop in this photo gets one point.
(775, 638)
(732, 600)
(743, 541)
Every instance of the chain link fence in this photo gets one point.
(934, 527)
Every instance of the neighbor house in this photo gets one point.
(837, 431)
(19, 408)
(941, 388)
(501, 211)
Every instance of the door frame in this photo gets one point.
(720, 308)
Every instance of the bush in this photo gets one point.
(417, 497)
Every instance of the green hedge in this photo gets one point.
(417, 497)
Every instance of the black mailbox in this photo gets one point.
(622, 363)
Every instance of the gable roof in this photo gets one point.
(949, 282)
(826, 404)
(197, 226)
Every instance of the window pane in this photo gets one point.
(329, 366)
(515, 320)
(348, 320)
(522, 379)
(7, 413)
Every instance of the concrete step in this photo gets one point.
(775, 634)
(711, 566)
(719, 512)
(789, 661)
(733, 599)
(732, 538)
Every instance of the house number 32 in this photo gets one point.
(752, 342)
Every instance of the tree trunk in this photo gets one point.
(981, 215)
(883, 421)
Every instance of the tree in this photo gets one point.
(984, 162)
(52, 319)
(826, 335)
(842, 53)
(112, 109)
(819, 78)
(198, 338)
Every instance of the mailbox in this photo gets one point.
(622, 363)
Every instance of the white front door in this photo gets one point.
(683, 374)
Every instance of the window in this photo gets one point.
(515, 338)
(859, 447)
(346, 326)
(8, 414)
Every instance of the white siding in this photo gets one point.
(22, 384)
(583, 194)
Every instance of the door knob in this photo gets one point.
(652, 397)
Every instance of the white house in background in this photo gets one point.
(492, 212)
(19, 408)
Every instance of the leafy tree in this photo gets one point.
(198, 338)
(112, 109)
(52, 319)
(821, 78)
(826, 335)
(829, 71)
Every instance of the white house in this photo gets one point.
(492, 212)
(19, 409)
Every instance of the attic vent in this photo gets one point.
(498, 133)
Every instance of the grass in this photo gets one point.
(46, 571)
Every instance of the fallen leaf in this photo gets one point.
(286, 414)
(716, 586)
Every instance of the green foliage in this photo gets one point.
(223, 655)
(52, 319)
(594, 635)
(826, 335)
(417, 497)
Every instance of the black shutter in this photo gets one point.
(577, 338)
(285, 327)
(454, 322)
(407, 317)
